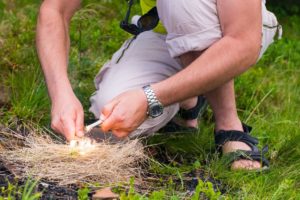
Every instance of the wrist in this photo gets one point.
(155, 107)
(60, 91)
(159, 94)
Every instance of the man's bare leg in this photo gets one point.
(223, 104)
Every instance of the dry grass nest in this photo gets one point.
(39, 156)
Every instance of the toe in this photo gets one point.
(257, 165)
(245, 164)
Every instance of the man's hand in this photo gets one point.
(125, 113)
(53, 44)
(67, 117)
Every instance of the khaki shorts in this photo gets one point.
(139, 62)
(150, 57)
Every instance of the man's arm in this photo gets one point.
(53, 45)
(241, 23)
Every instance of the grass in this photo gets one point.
(268, 97)
(26, 192)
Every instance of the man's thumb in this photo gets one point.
(106, 112)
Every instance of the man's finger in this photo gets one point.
(109, 123)
(120, 134)
(79, 124)
(69, 129)
(107, 115)
(108, 109)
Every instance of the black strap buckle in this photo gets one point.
(146, 22)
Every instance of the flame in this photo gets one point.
(82, 146)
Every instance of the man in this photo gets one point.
(142, 87)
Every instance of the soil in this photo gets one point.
(189, 181)
(48, 189)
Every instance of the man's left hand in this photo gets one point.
(125, 113)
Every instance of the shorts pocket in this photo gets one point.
(271, 28)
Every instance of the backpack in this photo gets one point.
(146, 22)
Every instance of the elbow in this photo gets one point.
(251, 43)
(48, 17)
(248, 48)
(253, 48)
(51, 10)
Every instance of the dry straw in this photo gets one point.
(44, 158)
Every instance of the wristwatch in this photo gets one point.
(155, 108)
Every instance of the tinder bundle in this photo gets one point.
(37, 155)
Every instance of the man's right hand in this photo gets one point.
(67, 117)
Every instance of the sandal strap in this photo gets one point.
(194, 112)
(249, 155)
(221, 137)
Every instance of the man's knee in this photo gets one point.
(100, 98)
(150, 126)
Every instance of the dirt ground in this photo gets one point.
(50, 190)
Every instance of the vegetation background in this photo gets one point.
(268, 95)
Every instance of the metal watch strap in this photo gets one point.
(151, 97)
(155, 108)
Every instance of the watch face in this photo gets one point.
(155, 110)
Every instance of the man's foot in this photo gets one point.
(243, 163)
(177, 125)
(192, 123)
(190, 110)
(240, 140)
(187, 118)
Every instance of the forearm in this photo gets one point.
(220, 63)
(53, 45)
